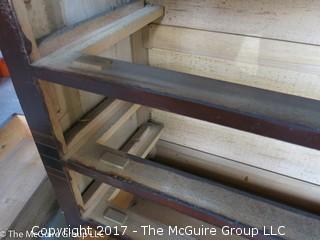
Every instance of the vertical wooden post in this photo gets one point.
(16, 49)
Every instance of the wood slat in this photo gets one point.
(69, 35)
(122, 28)
(104, 37)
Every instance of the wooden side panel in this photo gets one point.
(290, 20)
(45, 16)
(270, 78)
(247, 56)
(85, 9)
(265, 52)
(139, 52)
(269, 64)
(275, 65)
(121, 51)
(68, 104)
(273, 155)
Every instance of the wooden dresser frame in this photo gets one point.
(258, 111)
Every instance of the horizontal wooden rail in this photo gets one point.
(205, 200)
(123, 28)
(271, 114)
(68, 35)
(102, 38)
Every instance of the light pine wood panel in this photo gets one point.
(263, 52)
(44, 16)
(266, 183)
(290, 20)
(139, 52)
(69, 105)
(119, 123)
(266, 153)
(265, 77)
(75, 12)
(120, 51)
